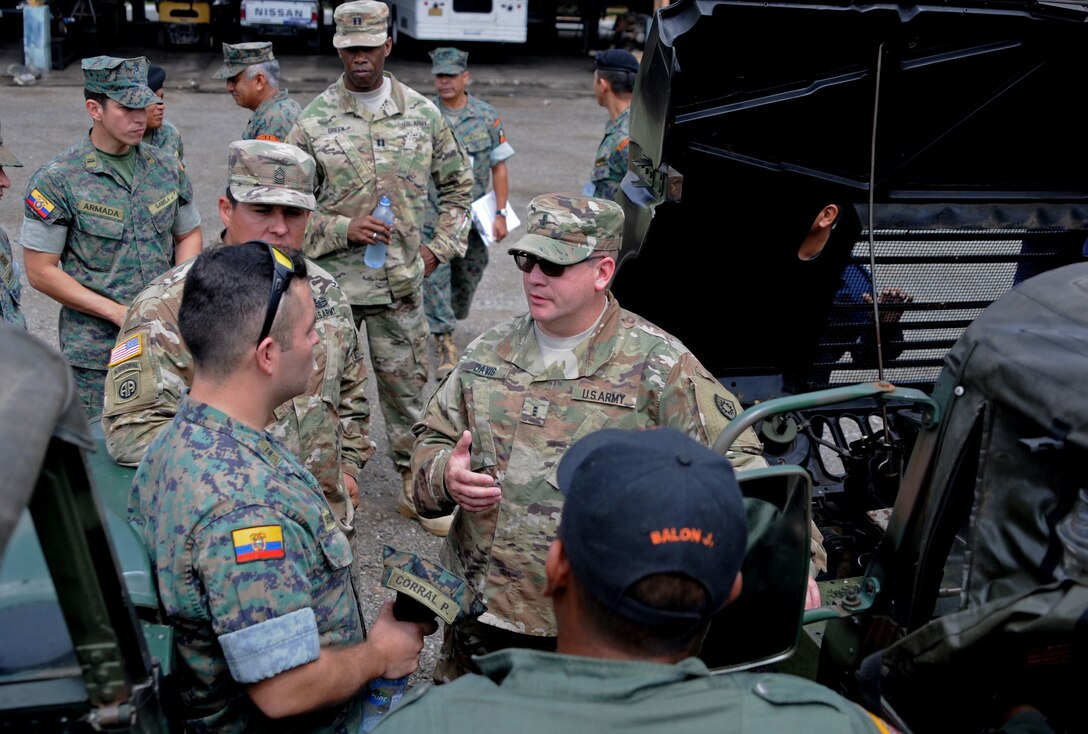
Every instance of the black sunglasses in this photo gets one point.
(282, 270)
(526, 262)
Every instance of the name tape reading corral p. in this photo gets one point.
(426, 594)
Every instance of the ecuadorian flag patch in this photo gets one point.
(126, 350)
(258, 543)
(42, 206)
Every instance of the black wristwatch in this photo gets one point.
(501, 212)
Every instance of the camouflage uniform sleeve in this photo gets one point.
(694, 402)
(501, 150)
(326, 233)
(46, 214)
(247, 585)
(452, 178)
(436, 434)
(188, 217)
(143, 392)
(354, 409)
(253, 590)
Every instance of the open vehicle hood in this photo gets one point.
(954, 126)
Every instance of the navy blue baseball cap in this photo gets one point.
(616, 59)
(638, 503)
(156, 77)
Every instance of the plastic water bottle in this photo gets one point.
(374, 257)
(381, 695)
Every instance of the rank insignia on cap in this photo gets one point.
(259, 543)
(126, 350)
(42, 206)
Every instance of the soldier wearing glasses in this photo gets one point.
(495, 430)
(251, 568)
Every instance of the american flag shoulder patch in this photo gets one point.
(126, 350)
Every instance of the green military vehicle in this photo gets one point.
(942, 448)
(82, 647)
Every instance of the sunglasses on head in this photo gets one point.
(527, 262)
(282, 270)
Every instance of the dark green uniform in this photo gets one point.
(526, 691)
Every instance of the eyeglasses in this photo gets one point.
(526, 262)
(282, 270)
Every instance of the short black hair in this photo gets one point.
(224, 303)
(674, 592)
(622, 82)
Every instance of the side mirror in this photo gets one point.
(763, 625)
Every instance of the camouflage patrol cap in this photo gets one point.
(122, 80)
(447, 60)
(237, 57)
(568, 228)
(7, 158)
(264, 172)
(362, 23)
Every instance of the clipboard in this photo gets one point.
(483, 216)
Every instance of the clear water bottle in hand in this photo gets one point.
(374, 257)
(381, 695)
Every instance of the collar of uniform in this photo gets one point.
(551, 675)
(92, 161)
(280, 94)
(520, 349)
(216, 420)
(348, 103)
(471, 109)
(620, 120)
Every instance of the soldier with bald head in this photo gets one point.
(269, 197)
(494, 432)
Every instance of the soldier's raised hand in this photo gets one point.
(473, 491)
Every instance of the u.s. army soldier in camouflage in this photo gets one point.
(253, 79)
(495, 430)
(371, 135)
(9, 276)
(613, 82)
(270, 197)
(104, 219)
(250, 566)
(448, 291)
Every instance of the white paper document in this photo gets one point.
(483, 214)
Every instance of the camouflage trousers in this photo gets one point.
(470, 638)
(397, 337)
(91, 388)
(448, 291)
